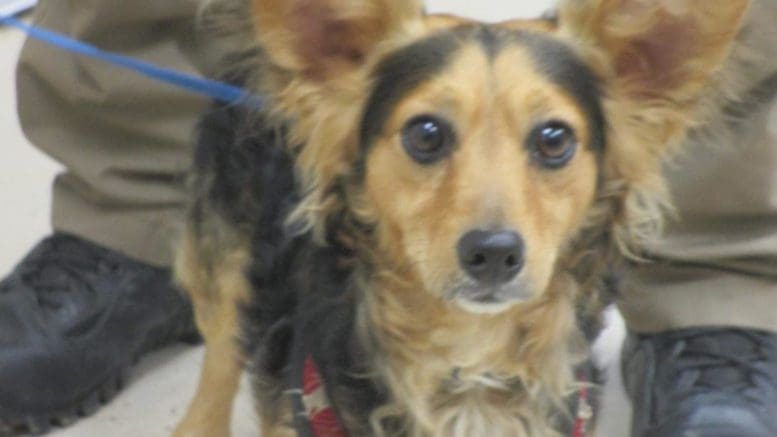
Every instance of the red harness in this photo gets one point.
(324, 422)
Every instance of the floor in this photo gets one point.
(161, 385)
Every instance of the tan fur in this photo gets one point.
(327, 105)
(487, 183)
(496, 355)
(216, 285)
(512, 368)
(277, 420)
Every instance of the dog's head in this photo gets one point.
(479, 152)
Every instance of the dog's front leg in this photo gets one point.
(216, 292)
(210, 411)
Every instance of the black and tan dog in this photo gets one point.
(427, 207)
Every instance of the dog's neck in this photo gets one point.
(449, 372)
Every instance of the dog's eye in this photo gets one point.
(554, 144)
(427, 139)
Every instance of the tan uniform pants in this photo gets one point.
(124, 139)
(718, 259)
(125, 142)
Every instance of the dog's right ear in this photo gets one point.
(320, 52)
(322, 39)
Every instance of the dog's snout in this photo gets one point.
(491, 257)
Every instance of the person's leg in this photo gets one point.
(717, 264)
(123, 139)
(701, 357)
(87, 301)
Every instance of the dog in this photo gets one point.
(423, 220)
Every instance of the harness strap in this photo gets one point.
(313, 413)
(323, 420)
(585, 412)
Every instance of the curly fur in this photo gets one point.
(293, 189)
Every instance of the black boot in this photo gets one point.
(74, 317)
(714, 382)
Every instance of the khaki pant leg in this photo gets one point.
(124, 140)
(717, 262)
(717, 265)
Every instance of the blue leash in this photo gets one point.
(216, 90)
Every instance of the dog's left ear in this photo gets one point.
(658, 55)
(657, 60)
(323, 38)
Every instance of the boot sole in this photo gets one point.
(38, 424)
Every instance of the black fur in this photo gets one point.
(399, 74)
(245, 175)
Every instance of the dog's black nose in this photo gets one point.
(492, 258)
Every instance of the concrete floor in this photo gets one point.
(161, 385)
